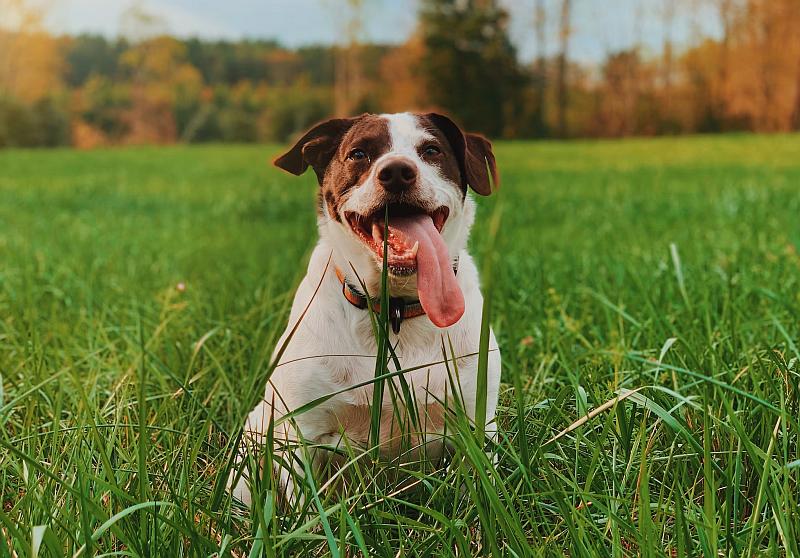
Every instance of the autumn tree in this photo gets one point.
(402, 89)
(762, 87)
(620, 77)
(348, 76)
(796, 111)
(33, 105)
(30, 61)
(669, 8)
(163, 80)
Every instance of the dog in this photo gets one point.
(418, 168)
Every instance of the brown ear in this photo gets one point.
(316, 148)
(474, 152)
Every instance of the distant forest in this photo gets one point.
(90, 91)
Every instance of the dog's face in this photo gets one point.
(418, 169)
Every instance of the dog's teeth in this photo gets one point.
(377, 233)
(414, 249)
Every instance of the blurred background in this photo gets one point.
(89, 73)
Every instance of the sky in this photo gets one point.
(598, 26)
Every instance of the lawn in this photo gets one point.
(646, 300)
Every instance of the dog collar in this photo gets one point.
(399, 308)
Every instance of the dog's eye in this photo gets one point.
(357, 155)
(431, 151)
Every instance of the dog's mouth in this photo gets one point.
(414, 245)
(401, 245)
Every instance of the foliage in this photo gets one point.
(459, 60)
(645, 299)
(30, 64)
(91, 56)
(42, 124)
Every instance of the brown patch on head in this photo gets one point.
(473, 154)
(330, 149)
(315, 148)
(449, 163)
(358, 150)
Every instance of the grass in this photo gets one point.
(646, 298)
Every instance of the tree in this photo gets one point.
(91, 55)
(402, 89)
(726, 16)
(348, 79)
(796, 112)
(621, 78)
(162, 80)
(762, 81)
(469, 66)
(102, 108)
(30, 60)
(562, 100)
(669, 18)
(540, 72)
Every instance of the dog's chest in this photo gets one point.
(426, 379)
(419, 351)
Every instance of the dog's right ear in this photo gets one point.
(316, 148)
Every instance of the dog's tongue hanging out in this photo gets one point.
(439, 293)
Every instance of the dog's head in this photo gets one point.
(418, 169)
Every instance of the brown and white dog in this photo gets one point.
(420, 166)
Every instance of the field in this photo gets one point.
(646, 300)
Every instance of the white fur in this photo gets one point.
(309, 369)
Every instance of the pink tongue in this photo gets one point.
(439, 293)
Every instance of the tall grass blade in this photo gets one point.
(383, 342)
(487, 277)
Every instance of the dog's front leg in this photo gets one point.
(292, 454)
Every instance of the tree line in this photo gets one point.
(89, 90)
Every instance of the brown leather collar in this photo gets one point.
(399, 308)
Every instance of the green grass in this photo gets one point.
(664, 273)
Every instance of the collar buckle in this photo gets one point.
(397, 308)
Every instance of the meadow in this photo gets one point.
(645, 295)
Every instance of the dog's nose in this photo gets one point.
(397, 175)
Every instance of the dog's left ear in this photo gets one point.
(316, 148)
(474, 152)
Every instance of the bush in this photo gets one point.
(17, 124)
(45, 124)
(52, 123)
